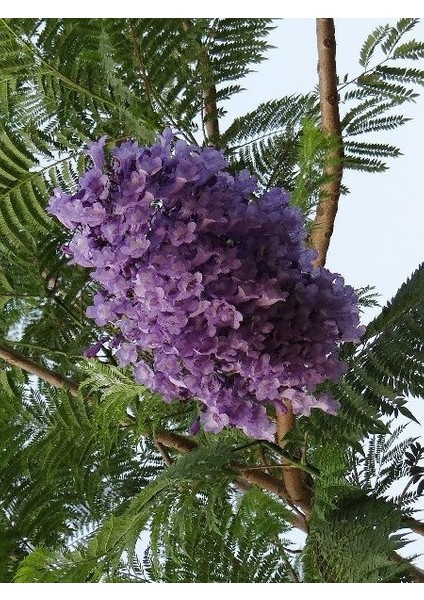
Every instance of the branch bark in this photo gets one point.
(330, 120)
(210, 110)
(298, 492)
(415, 526)
(246, 477)
(417, 574)
(250, 476)
(140, 65)
(326, 211)
(51, 377)
(164, 453)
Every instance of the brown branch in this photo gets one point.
(140, 65)
(175, 441)
(330, 119)
(164, 453)
(246, 476)
(51, 377)
(210, 109)
(415, 526)
(417, 574)
(210, 117)
(326, 213)
(264, 460)
(298, 491)
(271, 484)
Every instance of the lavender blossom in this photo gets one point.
(212, 278)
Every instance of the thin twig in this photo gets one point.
(417, 574)
(266, 466)
(154, 99)
(368, 71)
(405, 490)
(166, 438)
(250, 476)
(140, 65)
(36, 53)
(293, 575)
(246, 477)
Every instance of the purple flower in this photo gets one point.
(66, 208)
(216, 285)
(126, 354)
(102, 310)
(94, 349)
(95, 185)
(143, 374)
(96, 152)
(213, 420)
(182, 233)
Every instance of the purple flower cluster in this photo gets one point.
(210, 287)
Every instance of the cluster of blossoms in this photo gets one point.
(210, 288)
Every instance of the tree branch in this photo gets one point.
(153, 97)
(330, 119)
(164, 453)
(141, 66)
(51, 377)
(249, 476)
(326, 212)
(294, 483)
(417, 574)
(210, 118)
(415, 526)
(210, 109)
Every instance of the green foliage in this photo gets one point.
(368, 100)
(395, 340)
(86, 488)
(52, 494)
(340, 548)
(265, 140)
(246, 547)
(387, 459)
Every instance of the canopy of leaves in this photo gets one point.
(104, 484)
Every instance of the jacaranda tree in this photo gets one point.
(183, 383)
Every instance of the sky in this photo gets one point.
(377, 237)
